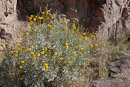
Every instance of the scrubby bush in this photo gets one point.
(52, 49)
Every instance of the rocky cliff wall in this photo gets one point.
(109, 17)
(9, 23)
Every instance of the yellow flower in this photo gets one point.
(32, 53)
(42, 52)
(29, 22)
(47, 12)
(16, 55)
(64, 19)
(88, 63)
(82, 48)
(95, 44)
(82, 37)
(6, 42)
(18, 44)
(46, 48)
(81, 70)
(91, 35)
(25, 60)
(61, 21)
(21, 67)
(46, 65)
(3, 46)
(66, 47)
(18, 62)
(61, 58)
(67, 43)
(11, 51)
(41, 17)
(27, 33)
(34, 19)
(54, 56)
(43, 13)
(0, 53)
(75, 53)
(67, 19)
(69, 51)
(73, 69)
(36, 27)
(84, 33)
(85, 38)
(47, 18)
(30, 26)
(77, 30)
(30, 18)
(55, 53)
(74, 27)
(31, 15)
(32, 46)
(35, 58)
(26, 29)
(79, 45)
(29, 49)
(16, 51)
(38, 54)
(65, 30)
(69, 61)
(22, 61)
(49, 25)
(25, 50)
(91, 46)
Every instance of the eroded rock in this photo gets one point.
(121, 78)
(110, 82)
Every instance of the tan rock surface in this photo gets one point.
(9, 23)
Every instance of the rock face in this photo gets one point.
(121, 69)
(110, 17)
(109, 82)
(9, 22)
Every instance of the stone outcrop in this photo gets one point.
(109, 17)
(110, 82)
(9, 23)
(121, 75)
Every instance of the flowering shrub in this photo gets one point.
(52, 48)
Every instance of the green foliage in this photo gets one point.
(50, 49)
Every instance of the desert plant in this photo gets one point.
(51, 49)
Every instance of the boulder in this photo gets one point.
(121, 77)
